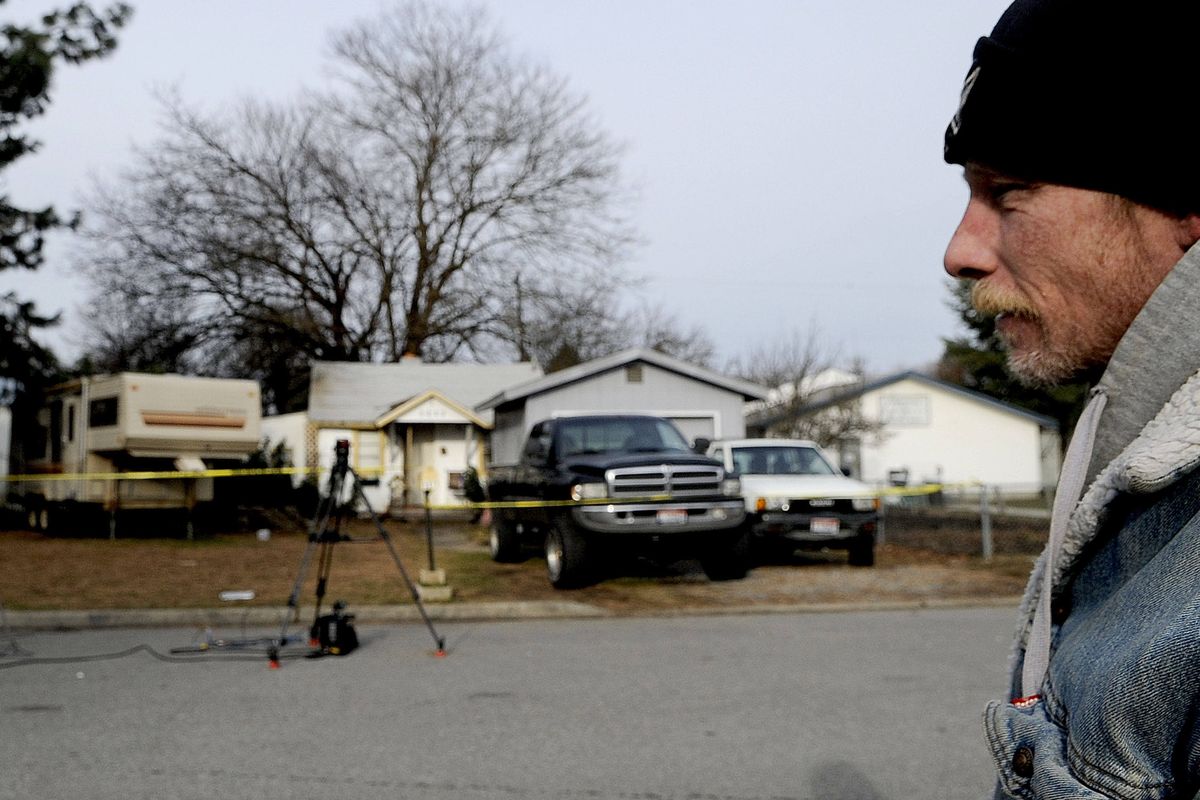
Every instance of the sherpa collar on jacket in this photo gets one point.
(1159, 351)
(1167, 449)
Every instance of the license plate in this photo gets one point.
(824, 525)
(672, 516)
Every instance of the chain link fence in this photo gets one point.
(986, 525)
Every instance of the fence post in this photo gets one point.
(985, 521)
(881, 524)
(429, 532)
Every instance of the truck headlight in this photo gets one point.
(865, 503)
(731, 487)
(589, 491)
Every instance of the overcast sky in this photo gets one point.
(787, 152)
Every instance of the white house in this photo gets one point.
(930, 431)
(702, 403)
(412, 426)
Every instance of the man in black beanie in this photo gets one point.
(1080, 233)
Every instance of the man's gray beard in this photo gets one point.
(1041, 370)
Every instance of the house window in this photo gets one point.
(633, 373)
(102, 412)
(907, 410)
(368, 456)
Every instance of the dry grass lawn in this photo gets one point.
(48, 572)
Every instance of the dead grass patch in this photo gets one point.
(39, 572)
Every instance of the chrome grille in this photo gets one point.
(811, 505)
(672, 480)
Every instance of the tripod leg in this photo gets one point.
(324, 563)
(317, 534)
(412, 589)
(292, 614)
(329, 504)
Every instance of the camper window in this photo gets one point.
(102, 412)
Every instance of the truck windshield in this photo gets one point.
(617, 434)
(780, 461)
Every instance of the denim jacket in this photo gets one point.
(1119, 712)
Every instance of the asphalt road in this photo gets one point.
(836, 706)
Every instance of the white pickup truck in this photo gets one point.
(795, 497)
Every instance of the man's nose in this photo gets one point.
(972, 249)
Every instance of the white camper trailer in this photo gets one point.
(97, 428)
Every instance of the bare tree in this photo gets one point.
(810, 399)
(558, 324)
(788, 364)
(501, 166)
(142, 336)
(388, 218)
(561, 325)
(650, 325)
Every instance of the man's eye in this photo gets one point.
(1006, 191)
(998, 191)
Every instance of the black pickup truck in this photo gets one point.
(590, 484)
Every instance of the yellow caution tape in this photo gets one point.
(891, 491)
(897, 491)
(149, 475)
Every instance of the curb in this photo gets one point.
(831, 608)
(68, 620)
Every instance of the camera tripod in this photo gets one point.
(324, 533)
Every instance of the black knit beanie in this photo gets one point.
(1094, 94)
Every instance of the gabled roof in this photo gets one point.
(352, 393)
(765, 417)
(588, 369)
(433, 397)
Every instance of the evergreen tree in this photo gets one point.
(28, 57)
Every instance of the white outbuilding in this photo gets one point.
(921, 430)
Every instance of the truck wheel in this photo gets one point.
(503, 541)
(566, 556)
(862, 552)
(727, 558)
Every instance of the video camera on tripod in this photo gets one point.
(333, 633)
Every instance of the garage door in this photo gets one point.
(694, 427)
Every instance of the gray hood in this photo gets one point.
(1159, 352)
